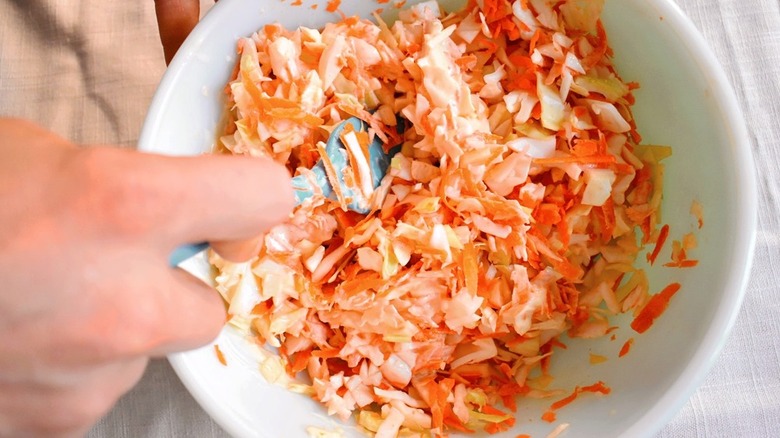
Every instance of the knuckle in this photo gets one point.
(115, 190)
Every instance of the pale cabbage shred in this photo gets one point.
(488, 237)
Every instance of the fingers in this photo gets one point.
(192, 315)
(223, 198)
(132, 306)
(175, 19)
(167, 201)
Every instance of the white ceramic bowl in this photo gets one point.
(685, 101)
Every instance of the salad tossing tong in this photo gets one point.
(369, 168)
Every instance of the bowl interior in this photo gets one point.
(684, 101)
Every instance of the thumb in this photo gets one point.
(218, 198)
(167, 201)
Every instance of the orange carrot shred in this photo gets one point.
(680, 255)
(566, 400)
(598, 387)
(687, 263)
(654, 308)
(698, 213)
(659, 243)
(626, 347)
(608, 159)
(490, 410)
(534, 40)
(333, 5)
(220, 355)
(609, 221)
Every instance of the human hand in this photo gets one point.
(175, 19)
(87, 295)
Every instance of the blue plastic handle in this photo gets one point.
(184, 252)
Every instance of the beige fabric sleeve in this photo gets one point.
(85, 69)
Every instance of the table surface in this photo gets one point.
(105, 63)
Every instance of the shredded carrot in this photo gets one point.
(687, 263)
(557, 343)
(608, 219)
(698, 212)
(333, 5)
(220, 355)
(680, 253)
(659, 243)
(626, 347)
(593, 160)
(654, 308)
(534, 40)
(598, 387)
(566, 400)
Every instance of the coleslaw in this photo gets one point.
(514, 212)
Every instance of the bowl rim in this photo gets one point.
(746, 217)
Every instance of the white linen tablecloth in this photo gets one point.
(87, 69)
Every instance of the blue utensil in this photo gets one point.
(378, 161)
